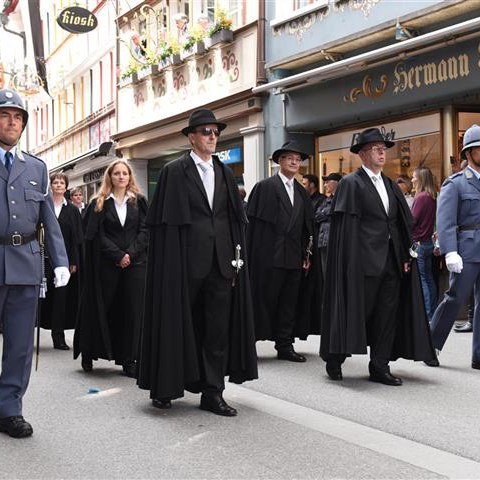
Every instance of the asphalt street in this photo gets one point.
(293, 423)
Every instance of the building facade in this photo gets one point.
(336, 67)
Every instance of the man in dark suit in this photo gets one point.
(278, 235)
(197, 327)
(24, 203)
(310, 183)
(368, 254)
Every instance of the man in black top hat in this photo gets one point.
(280, 226)
(198, 324)
(370, 297)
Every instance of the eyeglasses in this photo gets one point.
(378, 149)
(206, 132)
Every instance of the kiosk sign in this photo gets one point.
(77, 20)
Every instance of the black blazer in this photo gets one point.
(377, 229)
(209, 233)
(132, 238)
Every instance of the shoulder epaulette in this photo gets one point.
(32, 156)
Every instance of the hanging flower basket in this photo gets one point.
(221, 37)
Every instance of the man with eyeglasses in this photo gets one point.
(373, 295)
(198, 324)
(280, 253)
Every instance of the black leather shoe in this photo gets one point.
(16, 427)
(61, 346)
(383, 376)
(334, 371)
(432, 363)
(465, 328)
(476, 364)
(291, 355)
(87, 364)
(130, 369)
(217, 405)
(162, 403)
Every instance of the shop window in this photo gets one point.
(418, 141)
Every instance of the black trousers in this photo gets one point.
(281, 299)
(210, 301)
(381, 294)
(123, 296)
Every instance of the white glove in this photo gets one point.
(454, 262)
(62, 276)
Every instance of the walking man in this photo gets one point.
(24, 203)
(198, 324)
(368, 296)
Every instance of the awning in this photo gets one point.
(403, 50)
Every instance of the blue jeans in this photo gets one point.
(424, 260)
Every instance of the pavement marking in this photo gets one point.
(101, 394)
(417, 454)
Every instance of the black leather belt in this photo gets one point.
(473, 226)
(17, 239)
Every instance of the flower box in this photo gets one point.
(147, 71)
(175, 59)
(221, 37)
(127, 80)
(196, 49)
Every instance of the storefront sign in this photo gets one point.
(232, 155)
(77, 20)
(94, 175)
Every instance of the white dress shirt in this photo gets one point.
(377, 181)
(121, 207)
(289, 186)
(58, 208)
(207, 175)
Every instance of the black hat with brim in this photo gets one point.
(370, 135)
(332, 176)
(290, 146)
(202, 117)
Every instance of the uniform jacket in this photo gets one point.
(459, 205)
(25, 203)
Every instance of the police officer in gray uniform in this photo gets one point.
(24, 203)
(458, 227)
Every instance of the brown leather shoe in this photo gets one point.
(16, 427)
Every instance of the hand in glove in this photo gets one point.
(454, 262)
(62, 276)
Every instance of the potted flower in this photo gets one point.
(130, 74)
(194, 45)
(152, 59)
(173, 48)
(221, 31)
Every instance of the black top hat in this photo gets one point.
(199, 117)
(289, 146)
(332, 176)
(370, 135)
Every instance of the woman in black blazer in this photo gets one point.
(59, 308)
(116, 250)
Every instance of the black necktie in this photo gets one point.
(8, 161)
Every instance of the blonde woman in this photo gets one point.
(116, 246)
(423, 212)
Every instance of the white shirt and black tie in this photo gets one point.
(377, 181)
(289, 186)
(207, 174)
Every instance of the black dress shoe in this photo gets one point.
(16, 427)
(291, 355)
(476, 364)
(162, 403)
(61, 346)
(130, 369)
(384, 376)
(334, 371)
(217, 405)
(432, 363)
(464, 328)
(87, 364)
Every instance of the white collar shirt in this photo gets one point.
(477, 174)
(13, 151)
(121, 207)
(207, 174)
(58, 208)
(289, 186)
(377, 181)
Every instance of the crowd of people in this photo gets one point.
(178, 292)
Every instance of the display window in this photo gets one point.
(418, 142)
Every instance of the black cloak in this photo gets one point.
(94, 336)
(262, 214)
(344, 327)
(169, 362)
(59, 307)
